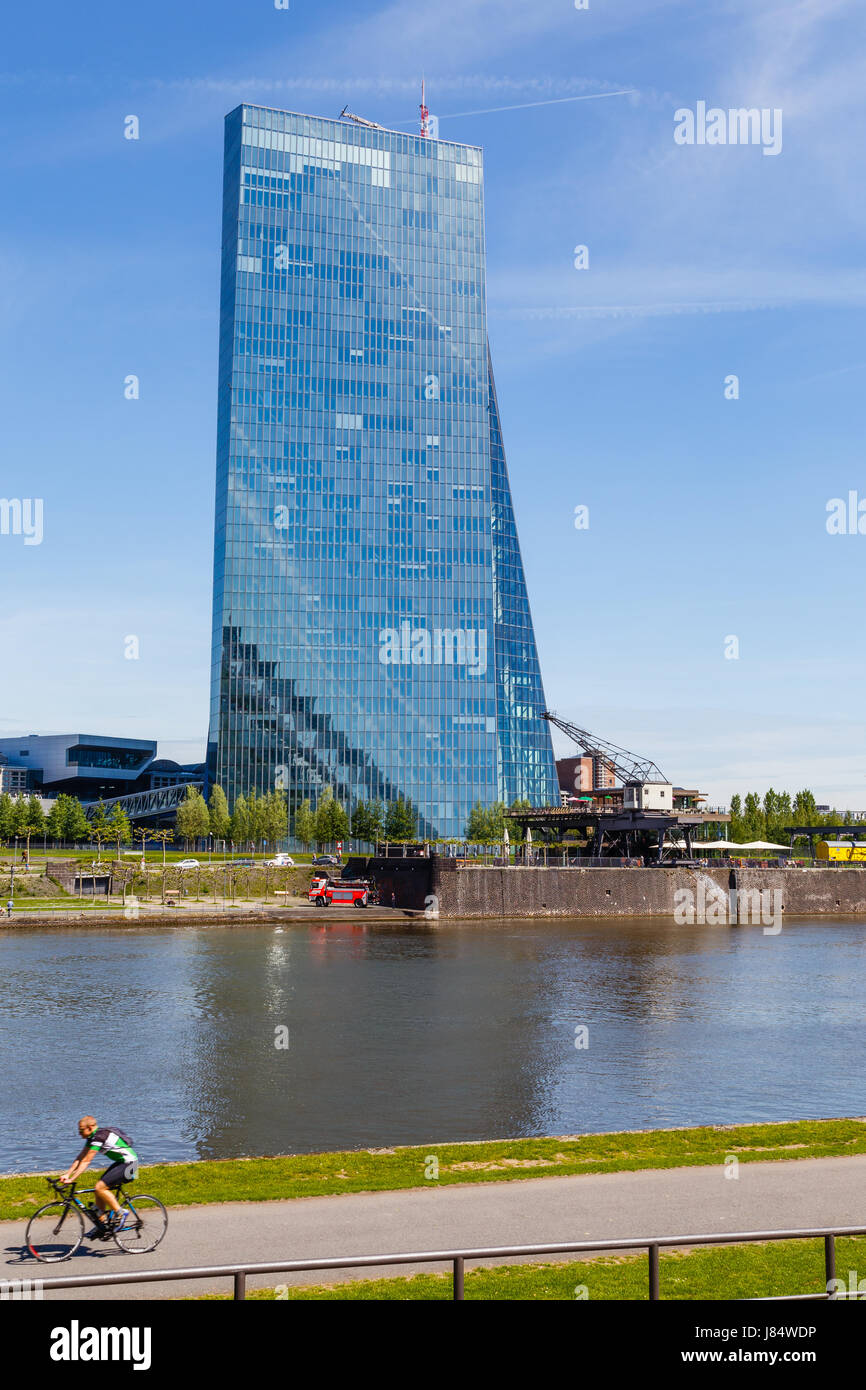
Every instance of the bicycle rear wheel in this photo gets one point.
(55, 1232)
(145, 1220)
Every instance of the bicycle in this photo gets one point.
(142, 1226)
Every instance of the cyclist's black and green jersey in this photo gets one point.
(114, 1144)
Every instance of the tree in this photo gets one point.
(786, 814)
(20, 816)
(275, 819)
(100, 830)
(805, 809)
(143, 833)
(220, 820)
(753, 818)
(772, 812)
(377, 821)
(476, 825)
(362, 823)
(254, 818)
(496, 814)
(401, 820)
(66, 819)
(119, 826)
(165, 837)
(323, 817)
(239, 827)
(516, 833)
(486, 825)
(55, 821)
(76, 825)
(368, 822)
(737, 829)
(29, 820)
(305, 824)
(192, 820)
(339, 822)
(7, 817)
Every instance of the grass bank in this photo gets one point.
(737, 1271)
(378, 1170)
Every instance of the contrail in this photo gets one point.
(524, 105)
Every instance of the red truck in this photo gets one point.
(343, 893)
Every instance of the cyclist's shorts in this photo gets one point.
(120, 1172)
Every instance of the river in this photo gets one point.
(397, 1036)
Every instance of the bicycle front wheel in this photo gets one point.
(144, 1224)
(55, 1232)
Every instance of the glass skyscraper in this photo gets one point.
(372, 631)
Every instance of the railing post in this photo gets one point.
(458, 1280)
(241, 1285)
(653, 1251)
(829, 1262)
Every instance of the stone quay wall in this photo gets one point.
(639, 892)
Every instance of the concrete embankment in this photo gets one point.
(572, 892)
(425, 890)
(241, 916)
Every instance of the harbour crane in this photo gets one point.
(628, 766)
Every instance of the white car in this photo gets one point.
(189, 864)
(281, 861)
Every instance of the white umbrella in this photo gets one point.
(760, 844)
(714, 844)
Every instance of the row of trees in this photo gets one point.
(257, 819)
(20, 816)
(23, 818)
(370, 821)
(254, 819)
(770, 817)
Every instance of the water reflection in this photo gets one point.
(449, 1032)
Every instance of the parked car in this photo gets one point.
(326, 859)
(281, 861)
(189, 864)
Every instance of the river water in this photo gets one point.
(457, 1031)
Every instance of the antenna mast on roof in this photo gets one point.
(425, 113)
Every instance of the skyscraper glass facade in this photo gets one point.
(372, 631)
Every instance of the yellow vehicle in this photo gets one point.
(842, 850)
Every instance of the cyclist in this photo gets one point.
(113, 1144)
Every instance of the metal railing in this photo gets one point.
(457, 1259)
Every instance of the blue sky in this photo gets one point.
(707, 515)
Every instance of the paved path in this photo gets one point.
(680, 1201)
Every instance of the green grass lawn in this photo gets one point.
(738, 1271)
(306, 1175)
